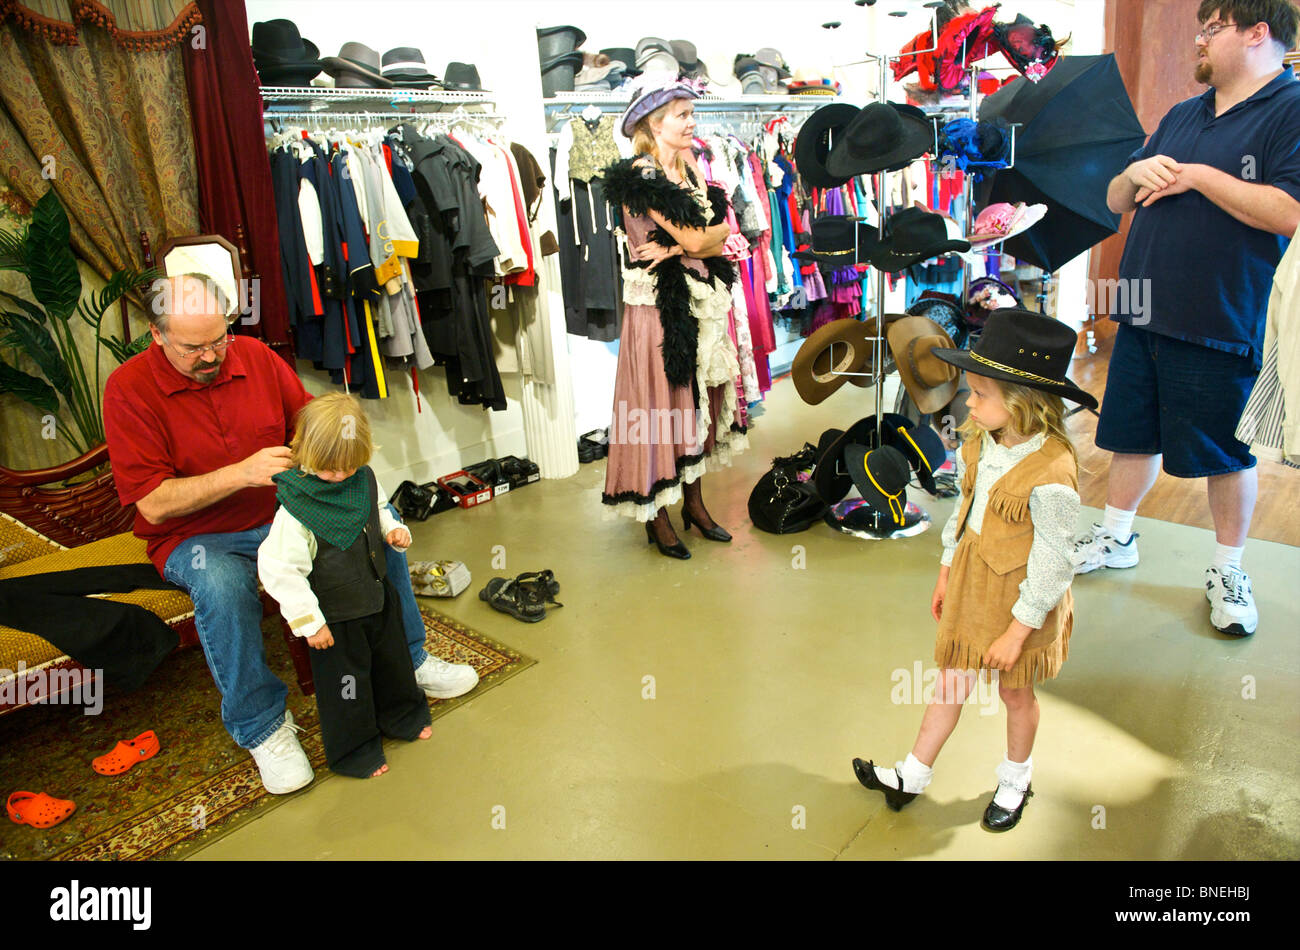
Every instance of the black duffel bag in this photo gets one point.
(782, 504)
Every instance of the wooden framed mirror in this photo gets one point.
(208, 254)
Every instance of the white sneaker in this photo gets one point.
(1099, 548)
(1232, 604)
(442, 680)
(281, 761)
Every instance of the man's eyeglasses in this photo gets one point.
(193, 352)
(1214, 29)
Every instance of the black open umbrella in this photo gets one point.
(1077, 126)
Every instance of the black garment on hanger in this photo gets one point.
(589, 262)
(125, 641)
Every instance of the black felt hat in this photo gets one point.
(1023, 347)
(625, 55)
(913, 235)
(405, 66)
(831, 478)
(883, 136)
(462, 76)
(920, 445)
(881, 476)
(282, 56)
(813, 145)
(842, 240)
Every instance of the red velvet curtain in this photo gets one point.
(230, 151)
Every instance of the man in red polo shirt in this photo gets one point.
(197, 425)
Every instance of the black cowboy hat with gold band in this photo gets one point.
(1020, 346)
(881, 476)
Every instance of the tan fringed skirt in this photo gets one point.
(977, 610)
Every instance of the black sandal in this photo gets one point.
(511, 598)
(542, 583)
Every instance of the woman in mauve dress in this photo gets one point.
(676, 412)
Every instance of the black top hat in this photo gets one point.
(881, 476)
(625, 55)
(554, 40)
(882, 137)
(462, 76)
(840, 239)
(912, 236)
(1023, 347)
(813, 144)
(405, 66)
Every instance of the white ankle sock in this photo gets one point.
(1013, 781)
(915, 775)
(1225, 557)
(1118, 523)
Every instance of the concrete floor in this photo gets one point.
(774, 660)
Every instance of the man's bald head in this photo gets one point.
(190, 297)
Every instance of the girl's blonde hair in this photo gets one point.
(332, 434)
(643, 139)
(1032, 411)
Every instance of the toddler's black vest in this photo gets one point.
(349, 583)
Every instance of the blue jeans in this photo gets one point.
(220, 573)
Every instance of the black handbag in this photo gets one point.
(414, 502)
(782, 504)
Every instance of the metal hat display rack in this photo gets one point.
(313, 105)
(916, 519)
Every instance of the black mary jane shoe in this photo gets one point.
(895, 798)
(713, 534)
(997, 818)
(677, 550)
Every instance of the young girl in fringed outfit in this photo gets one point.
(323, 561)
(1003, 599)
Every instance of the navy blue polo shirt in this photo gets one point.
(1210, 274)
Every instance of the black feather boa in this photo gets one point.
(640, 188)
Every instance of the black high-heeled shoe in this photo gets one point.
(677, 550)
(715, 533)
(895, 798)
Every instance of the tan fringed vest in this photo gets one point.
(977, 608)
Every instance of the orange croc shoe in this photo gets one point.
(127, 753)
(39, 811)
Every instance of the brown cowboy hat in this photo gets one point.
(840, 347)
(930, 381)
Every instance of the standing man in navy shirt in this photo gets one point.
(1216, 189)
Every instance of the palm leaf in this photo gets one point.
(123, 352)
(13, 250)
(33, 311)
(93, 308)
(35, 340)
(28, 388)
(51, 266)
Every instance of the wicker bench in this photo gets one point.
(46, 526)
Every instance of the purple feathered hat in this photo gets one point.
(652, 94)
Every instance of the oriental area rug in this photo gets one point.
(200, 786)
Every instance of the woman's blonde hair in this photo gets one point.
(1032, 411)
(332, 434)
(643, 139)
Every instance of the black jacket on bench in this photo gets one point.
(124, 641)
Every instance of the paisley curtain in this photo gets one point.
(93, 103)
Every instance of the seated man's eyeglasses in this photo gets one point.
(190, 352)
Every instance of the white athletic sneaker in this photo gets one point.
(1232, 604)
(442, 680)
(1100, 549)
(281, 761)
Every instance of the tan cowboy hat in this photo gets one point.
(928, 380)
(840, 347)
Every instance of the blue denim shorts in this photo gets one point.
(1166, 396)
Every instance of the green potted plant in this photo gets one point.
(42, 252)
